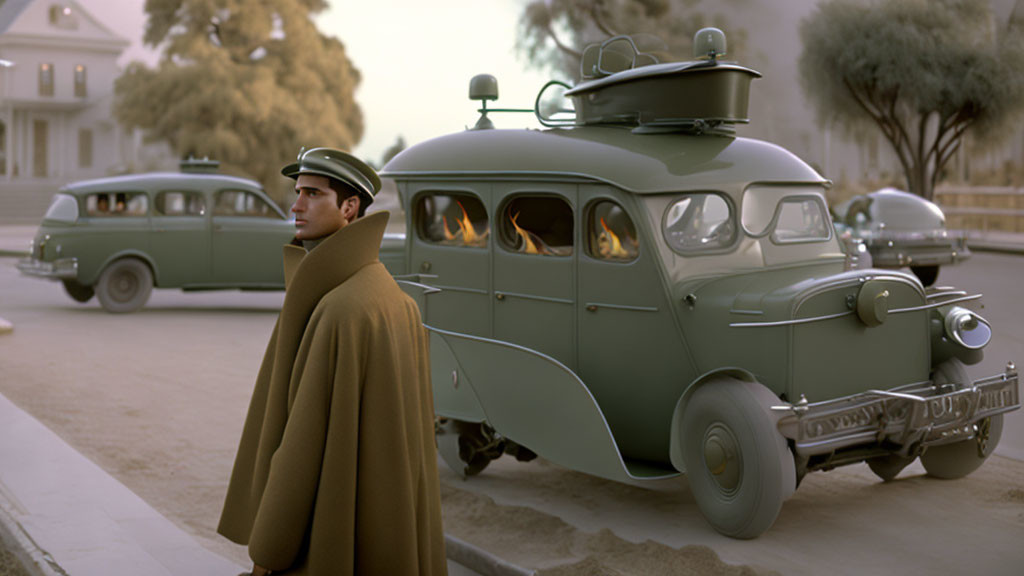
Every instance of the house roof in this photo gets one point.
(9, 11)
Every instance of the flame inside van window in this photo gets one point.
(537, 224)
(611, 233)
(452, 220)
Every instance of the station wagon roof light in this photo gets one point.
(204, 165)
(484, 87)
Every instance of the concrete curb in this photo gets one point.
(28, 554)
(480, 561)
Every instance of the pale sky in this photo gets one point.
(416, 58)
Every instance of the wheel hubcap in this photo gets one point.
(124, 286)
(721, 458)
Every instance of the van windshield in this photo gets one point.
(63, 208)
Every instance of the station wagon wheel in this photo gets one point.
(739, 466)
(956, 460)
(78, 292)
(124, 285)
(926, 274)
(478, 445)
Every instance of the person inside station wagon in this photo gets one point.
(336, 471)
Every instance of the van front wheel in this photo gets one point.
(78, 292)
(124, 285)
(739, 466)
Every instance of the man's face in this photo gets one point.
(316, 209)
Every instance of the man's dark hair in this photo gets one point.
(344, 192)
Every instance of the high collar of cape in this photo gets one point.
(310, 275)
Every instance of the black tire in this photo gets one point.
(887, 467)
(956, 460)
(739, 467)
(78, 292)
(926, 274)
(124, 285)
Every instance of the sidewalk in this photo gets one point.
(15, 240)
(61, 514)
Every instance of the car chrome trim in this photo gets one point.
(60, 269)
(621, 307)
(788, 322)
(935, 304)
(911, 417)
(501, 294)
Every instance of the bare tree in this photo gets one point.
(924, 72)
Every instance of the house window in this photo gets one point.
(80, 81)
(3, 148)
(46, 79)
(85, 148)
(62, 16)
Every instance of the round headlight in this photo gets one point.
(967, 328)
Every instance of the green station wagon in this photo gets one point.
(637, 292)
(119, 237)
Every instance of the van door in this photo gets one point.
(247, 237)
(534, 260)
(450, 250)
(630, 353)
(180, 241)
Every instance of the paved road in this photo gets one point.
(158, 398)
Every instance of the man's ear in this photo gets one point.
(350, 207)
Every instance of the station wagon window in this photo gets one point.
(699, 222)
(452, 220)
(800, 219)
(180, 203)
(116, 204)
(539, 225)
(611, 234)
(242, 203)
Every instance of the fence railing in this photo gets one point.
(984, 209)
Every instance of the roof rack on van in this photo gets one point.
(204, 165)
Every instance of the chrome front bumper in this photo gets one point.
(910, 417)
(60, 269)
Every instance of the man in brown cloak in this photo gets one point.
(336, 471)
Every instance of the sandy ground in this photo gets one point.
(158, 398)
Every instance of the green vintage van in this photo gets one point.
(117, 238)
(637, 292)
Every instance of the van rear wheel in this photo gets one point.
(78, 292)
(739, 467)
(124, 285)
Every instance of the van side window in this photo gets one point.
(452, 220)
(242, 203)
(699, 222)
(537, 225)
(115, 204)
(611, 234)
(175, 203)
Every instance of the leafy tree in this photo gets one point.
(247, 82)
(923, 71)
(553, 33)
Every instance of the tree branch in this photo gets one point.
(596, 10)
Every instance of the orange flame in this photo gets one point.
(447, 233)
(612, 246)
(529, 246)
(469, 235)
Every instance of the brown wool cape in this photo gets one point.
(336, 470)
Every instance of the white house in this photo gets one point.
(57, 70)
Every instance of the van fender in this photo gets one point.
(137, 254)
(533, 400)
(706, 379)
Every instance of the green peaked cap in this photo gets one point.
(339, 165)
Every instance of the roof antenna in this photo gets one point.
(483, 87)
